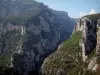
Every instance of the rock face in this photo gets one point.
(30, 35)
(80, 55)
(89, 35)
(88, 28)
(5, 7)
(98, 41)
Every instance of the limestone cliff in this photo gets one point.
(80, 55)
(29, 35)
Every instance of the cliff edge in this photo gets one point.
(80, 55)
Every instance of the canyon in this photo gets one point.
(29, 32)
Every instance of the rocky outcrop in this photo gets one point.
(88, 28)
(89, 35)
(90, 41)
(98, 40)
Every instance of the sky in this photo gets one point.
(75, 8)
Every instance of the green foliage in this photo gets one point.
(8, 43)
(20, 19)
(92, 54)
(94, 16)
(97, 28)
(67, 57)
(72, 43)
(5, 59)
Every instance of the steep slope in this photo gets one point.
(64, 16)
(80, 54)
(29, 36)
(65, 59)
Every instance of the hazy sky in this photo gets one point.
(75, 8)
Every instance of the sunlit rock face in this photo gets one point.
(88, 28)
(98, 40)
(95, 62)
(89, 34)
(90, 41)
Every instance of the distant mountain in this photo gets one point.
(76, 19)
(28, 34)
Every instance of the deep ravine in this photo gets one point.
(29, 32)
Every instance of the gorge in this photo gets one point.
(38, 40)
(29, 32)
